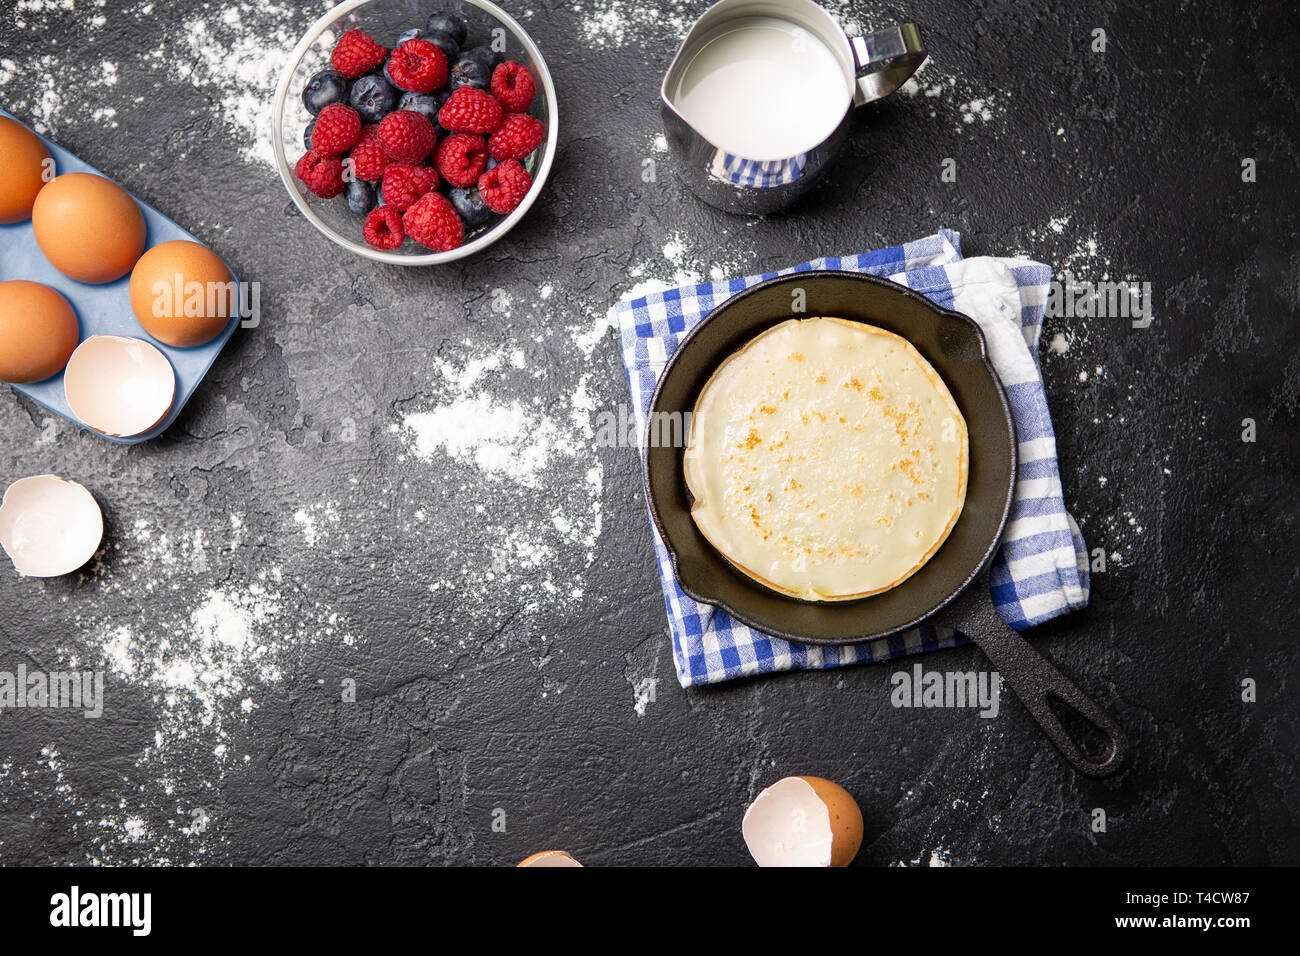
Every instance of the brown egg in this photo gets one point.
(38, 331)
(89, 228)
(24, 159)
(182, 293)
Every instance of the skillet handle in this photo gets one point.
(1037, 683)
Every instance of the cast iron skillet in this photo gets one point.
(955, 346)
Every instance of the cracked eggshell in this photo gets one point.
(803, 821)
(118, 385)
(49, 526)
(550, 858)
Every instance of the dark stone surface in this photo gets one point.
(513, 686)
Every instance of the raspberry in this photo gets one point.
(470, 111)
(383, 228)
(418, 66)
(460, 158)
(357, 53)
(367, 157)
(337, 129)
(518, 136)
(322, 174)
(513, 86)
(404, 184)
(426, 178)
(504, 186)
(407, 136)
(433, 223)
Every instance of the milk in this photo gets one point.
(762, 88)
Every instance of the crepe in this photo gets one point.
(827, 459)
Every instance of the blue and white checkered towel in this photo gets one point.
(1041, 570)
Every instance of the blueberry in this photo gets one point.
(445, 42)
(414, 33)
(449, 24)
(469, 205)
(373, 98)
(426, 103)
(361, 197)
(306, 134)
(326, 87)
(490, 57)
(469, 71)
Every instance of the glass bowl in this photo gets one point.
(385, 20)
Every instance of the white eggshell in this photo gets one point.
(49, 526)
(119, 385)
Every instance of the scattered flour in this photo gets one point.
(235, 54)
(613, 24)
(946, 93)
(203, 654)
(502, 439)
(938, 857)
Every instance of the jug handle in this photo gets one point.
(885, 60)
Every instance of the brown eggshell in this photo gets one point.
(119, 385)
(164, 284)
(38, 331)
(49, 526)
(550, 858)
(89, 228)
(846, 819)
(23, 158)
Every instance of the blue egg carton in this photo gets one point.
(104, 309)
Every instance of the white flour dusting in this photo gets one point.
(502, 439)
(235, 55)
(938, 857)
(483, 436)
(615, 24)
(954, 96)
(204, 654)
(612, 24)
(546, 481)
